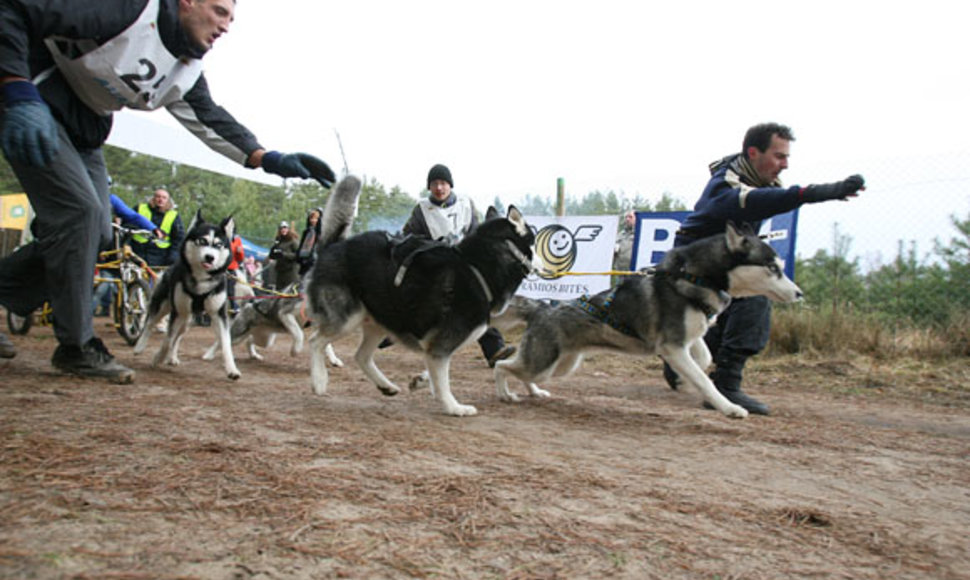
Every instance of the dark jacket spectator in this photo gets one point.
(284, 256)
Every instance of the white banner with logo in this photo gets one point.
(573, 250)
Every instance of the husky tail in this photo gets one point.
(340, 211)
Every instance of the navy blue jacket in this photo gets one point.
(729, 196)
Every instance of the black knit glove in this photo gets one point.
(298, 165)
(29, 132)
(848, 187)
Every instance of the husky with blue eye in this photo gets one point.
(666, 313)
(194, 285)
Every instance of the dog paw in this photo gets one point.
(460, 410)
(509, 398)
(541, 393)
(256, 356)
(336, 362)
(419, 382)
(736, 412)
(389, 391)
(234, 375)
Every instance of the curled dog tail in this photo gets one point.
(340, 211)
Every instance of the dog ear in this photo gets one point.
(197, 219)
(515, 216)
(491, 214)
(228, 225)
(735, 237)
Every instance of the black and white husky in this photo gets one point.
(665, 313)
(259, 321)
(194, 285)
(430, 297)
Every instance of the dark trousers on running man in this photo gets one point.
(70, 200)
(491, 342)
(741, 332)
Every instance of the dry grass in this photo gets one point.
(798, 329)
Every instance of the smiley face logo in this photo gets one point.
(556, 247)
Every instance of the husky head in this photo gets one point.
(519, 237)
(759, 270)
(206, 246)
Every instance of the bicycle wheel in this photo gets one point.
(19, 324)
(131, 310)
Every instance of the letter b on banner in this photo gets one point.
(655, 237)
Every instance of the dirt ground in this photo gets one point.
(862, 471)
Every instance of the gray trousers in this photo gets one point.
(70, 200)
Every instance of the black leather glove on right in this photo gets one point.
(838, 190)
(301, 165)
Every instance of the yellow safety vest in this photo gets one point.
(166, 226)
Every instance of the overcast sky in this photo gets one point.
(631, 96)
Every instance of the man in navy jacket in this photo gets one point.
(745, 188)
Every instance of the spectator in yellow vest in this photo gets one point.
(161, 211)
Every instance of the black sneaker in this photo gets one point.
(7, 349)
(502, 354)
(92, 361)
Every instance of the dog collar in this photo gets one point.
(521, 257)
(707, 309)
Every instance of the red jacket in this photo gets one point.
(238, 254)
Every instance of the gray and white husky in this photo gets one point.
(259, 321)
(194, 285)
(430, 297)
(666, 313)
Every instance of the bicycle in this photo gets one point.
(132, 285)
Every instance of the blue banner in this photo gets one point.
(655, 236)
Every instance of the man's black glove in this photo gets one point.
(301, 165)
(848, 187)
(29, 133)
(275, 254)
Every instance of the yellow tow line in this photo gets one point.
(607, 273)
(269, 291)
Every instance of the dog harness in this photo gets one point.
(603, 312)
(427, 245)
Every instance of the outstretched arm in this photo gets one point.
(129, 216)
(221, 132)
